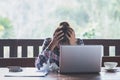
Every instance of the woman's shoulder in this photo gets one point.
(46, 43)
(80, 41)
(47, 40)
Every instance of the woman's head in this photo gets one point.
(66, 29)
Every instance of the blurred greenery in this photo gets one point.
(90, 34)
(6, 28)
(104, 15)
(115, 10)
(38, 19)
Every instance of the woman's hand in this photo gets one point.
(71, 37)
(56, 39)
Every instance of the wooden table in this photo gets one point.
(103, 75)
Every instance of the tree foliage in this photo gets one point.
(6, 28)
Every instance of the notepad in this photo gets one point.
(27, 73)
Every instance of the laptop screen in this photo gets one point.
(87, 58)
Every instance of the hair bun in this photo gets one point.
(64, 24)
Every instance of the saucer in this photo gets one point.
(111, 70)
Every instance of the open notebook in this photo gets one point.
(27, 72)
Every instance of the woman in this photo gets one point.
(63, 35)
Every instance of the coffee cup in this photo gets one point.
(110, 65)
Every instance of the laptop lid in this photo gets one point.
(80, 59)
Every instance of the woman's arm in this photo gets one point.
(44, 55)
(80, 41)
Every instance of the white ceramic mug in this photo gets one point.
(110, 65)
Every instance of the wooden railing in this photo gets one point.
(13, 44)
(107, 43)
(36, 43)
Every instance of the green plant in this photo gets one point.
(6, 28)
(89, 34)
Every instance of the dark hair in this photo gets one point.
(65, 27)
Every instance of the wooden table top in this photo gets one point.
(103, 75)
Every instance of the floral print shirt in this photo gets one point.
(50, 56)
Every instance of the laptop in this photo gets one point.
(80, 59)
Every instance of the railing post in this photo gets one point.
(35, 51)
(1, 51)
(13, 51)
(24, 51)
(117, 50)
(106, 50)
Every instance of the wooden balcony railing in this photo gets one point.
(13, 45)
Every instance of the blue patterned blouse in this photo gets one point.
(51, 56)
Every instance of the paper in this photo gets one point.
(27, 73)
